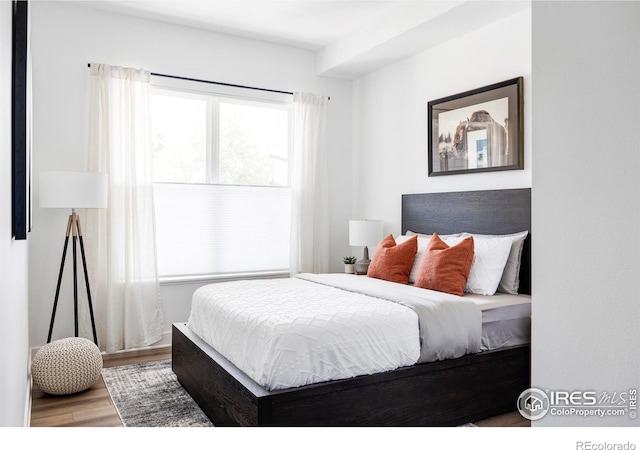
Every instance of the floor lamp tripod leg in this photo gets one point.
(75, 283)
(86, 280)
(55, 302)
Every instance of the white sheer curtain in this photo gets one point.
(121, 239)
(309, 208)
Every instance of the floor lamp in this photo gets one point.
(363, 233)
(71, 190)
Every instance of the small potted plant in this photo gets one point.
(349, 264)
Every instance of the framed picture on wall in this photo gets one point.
(21, 123)
(477, 131)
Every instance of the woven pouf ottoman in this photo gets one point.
(67, 366)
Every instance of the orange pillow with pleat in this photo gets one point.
(445, 268)
(393, 262)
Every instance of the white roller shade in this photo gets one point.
(216, 229)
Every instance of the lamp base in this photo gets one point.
(362, 266)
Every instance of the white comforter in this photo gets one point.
(292, 332)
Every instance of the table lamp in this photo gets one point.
(71, 190)
(363, 233)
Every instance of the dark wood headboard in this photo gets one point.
(483, 212)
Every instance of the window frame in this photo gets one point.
(213, 98)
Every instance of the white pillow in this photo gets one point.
(510, 282)
(489, 259)
(413, 233)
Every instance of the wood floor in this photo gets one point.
(94, 408)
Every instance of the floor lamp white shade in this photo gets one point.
(363, 233)
(73, 190)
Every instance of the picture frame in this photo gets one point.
(481, 130)
(21, 122)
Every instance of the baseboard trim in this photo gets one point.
(165, 341)
(141, 350)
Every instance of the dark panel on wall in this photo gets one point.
(20, 122)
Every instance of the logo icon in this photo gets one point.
(533, 404)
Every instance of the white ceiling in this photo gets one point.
(349, 37)
(310, 24)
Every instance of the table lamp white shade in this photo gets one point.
(73, 190)
(363, 233)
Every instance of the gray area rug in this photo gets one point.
(149, 395)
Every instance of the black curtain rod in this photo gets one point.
(218, 83)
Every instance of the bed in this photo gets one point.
(444, 392)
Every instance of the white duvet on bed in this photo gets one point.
(292, 332)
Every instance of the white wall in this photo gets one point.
(14, 326)
(66, 37)
(390, 115)
(586, 201)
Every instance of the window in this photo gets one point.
(254, 147)
(221, 173)
(179, 133)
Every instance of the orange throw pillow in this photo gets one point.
(445, 268)
(393, 262)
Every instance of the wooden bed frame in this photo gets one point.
(442, 393)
